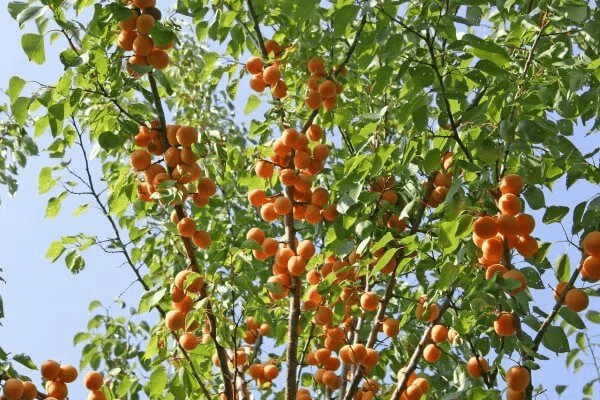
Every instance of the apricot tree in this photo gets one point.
(324, 199)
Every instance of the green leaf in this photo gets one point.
(20, 109)
(82, 208)
(572, 318)
(534, 197)
(15, 85)
(389, 254)
(555, 340)
(54, 205)
(593, 316)
(554, 214)
(24, 360)
(94, 304)
(55, 250)
(45, 180)
(15, 8)
(69, 58)
(487, 50)
(157, 382)
(109, 140)
(431, 161)
(252, 104)
(447, 237)
(33, 45)
(562, 268)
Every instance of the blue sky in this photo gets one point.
(45, 305)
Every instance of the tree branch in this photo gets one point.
(261, 41)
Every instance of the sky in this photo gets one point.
(45, 305)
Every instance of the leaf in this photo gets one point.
(33, 46)
(447, 237)
(94, 304)
(20, 109)
(382, 262)
(55, 250)
(157, 382)
(54, 205)
(562, 268)
(82, 208)
(571, 318)
(593, 316)
(554, 214)
(555, 340)
(15, 8)
(487, 50)
(24, 360)
(15, 85)
(69, 58)
(534, 197)
(252, 104)
(45, 180)
(431, 161)
(110, 140)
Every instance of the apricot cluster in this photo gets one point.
(416, 386)
(16, 389)
(517, 379)
(186, 286)
(183, 172)
(57, 376)
(442, 180)
(268, 75)
(323, 90)
(93, 381)
(426, 311)
(590, 268)
(383, 187)
(135, 35)
(477, 366)
(296, 165)
(263, 373)
(575, 300)
(254, 330)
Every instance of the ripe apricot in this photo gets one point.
(527, 246)
(144, 23)
(576, 300)
(439, 333)
(358, 353)
(174, 320)
(126, 39)
(13, 388)
(57, 389)
(495, 269)
(331, 380)
(590, 269)
(264, 169)
(320, 152)
(509, 204)
(94, 395)
(270, 246)
(306, 249)
(50, 370)
(256, 371)
(591, 243)
(512, 394)
(432, 353)
(254, 65)
(442, 179)
(493, 249)
(313, 277)
(29, 391)
(268, 213)
(312, 214)
(189, 341)
(68, 373)
(257, 197)
(371, 358)
(559, 289)
(140, 159)
(314, 132)
(431, 315)
(158, 58)
(129, 24)
(477, 366)
(296, 265)
(391, 327)
(202, 239)
(323, 316)
(518, 276)
(270, 372)
(330, 103)
(507, 225)
(517, 378)
(257, 83)
(93, 380)
(143, 45)
(186, 136)
(511, 183)
(279, 89)
(369, 301)
(485, 227)
(313, 100)
(526, 224)
(283, 205)
(327, 89)
(504, 325)
(330, 213)
(271, 75)
(272, 47)
(316, 66)
(186, 227)
(256, 234)
(200, 200)
(144, 3)
(264, 329)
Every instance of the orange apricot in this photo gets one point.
(509, 204)
(186, 136)
(186, 227)
(129, 24)
(323, 316)
(432, 353)
(314, 132)
(316, 66)
(591, 243)
(189, 341)
(140, 159)
(264, 169)
(477, 366)
(306, 249)
(279, 89)
(590, 269)
(391, 327)
(296, 265)
(202, 239)
(174, 320)
(495, 269)
(29, 391)
(144, 23)
(313, 100)
(493, 249)
(143, 45)
(271, 75)
(272, 47)
(526, 224)
(504, 325)
(256, 371)
(158, 58)
(254, 65)
(527, 246)
(517, 378)
(518, 276)
(439, 333)
(257, 197)
(13, 389)
(270, 246)
(256, 234)
(485, 227)
(507, 225)
(576, 300)
(270, 372)
(126, 39)
(68, 373)
(511, 183)
(327, 89)
(50, 370)
(283, 205)
(93, 380)
(257, 83)
(358, 353)
(369, 301)
(268, 213)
